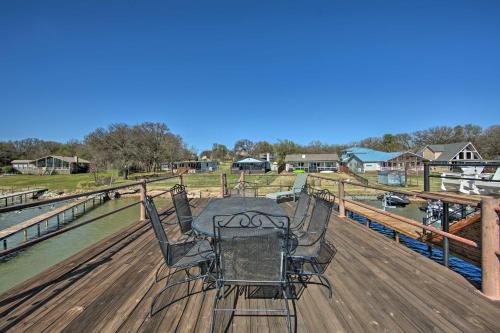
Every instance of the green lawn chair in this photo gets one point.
(293, 192)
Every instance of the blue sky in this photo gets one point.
(217, 71)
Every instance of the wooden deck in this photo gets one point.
(378, 284)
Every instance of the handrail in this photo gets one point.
(467, 202)
(415, 223)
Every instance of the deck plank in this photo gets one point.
(379, 285)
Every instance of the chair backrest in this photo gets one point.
(182, 207)
(251, 248)
(160, 234)
(320, 215)
(301, 209)
(300, 181)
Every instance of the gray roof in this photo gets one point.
(69, 159)
(448, 150)
(311, 157)
(21, 161)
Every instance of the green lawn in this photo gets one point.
(207, 182)
(76, 182)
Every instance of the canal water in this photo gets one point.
(21, 266)
(471, 272)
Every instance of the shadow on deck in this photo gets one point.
(378, 286)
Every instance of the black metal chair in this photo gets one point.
(251, 250)
(182, 208)
(301, 210)
(182, 256)
(308, 245)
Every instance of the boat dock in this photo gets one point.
(34, 194)
(62, 215)
(378, 285)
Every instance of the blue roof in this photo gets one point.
(376, 156)
(250, 160)
(358, 150)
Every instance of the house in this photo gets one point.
(312, 162)
(192, 166)
(52, 164)
(250, 165)
(406, 160)
(450, 152)
(365, 159)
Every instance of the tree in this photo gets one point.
(243, 147)
(285, 147)
(219, 151)
(262, 147)
(488, 143)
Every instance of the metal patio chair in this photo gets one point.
(251, 250)
(301, 211)
(181, 256)
(308, 245)
(182, 208)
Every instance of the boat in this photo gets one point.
(391, 199)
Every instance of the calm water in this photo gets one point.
(471, 272)
(39, 257)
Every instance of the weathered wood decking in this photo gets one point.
(378, 284)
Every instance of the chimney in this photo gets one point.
(76, 159)
(268, 157)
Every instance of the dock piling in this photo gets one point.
(445, 225)
(341, 199)
(490, 253)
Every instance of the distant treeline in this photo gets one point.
(146, 145)
(120, 146)
(486, 140)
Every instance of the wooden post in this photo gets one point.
(223, 185)
(5, 244)
(426, 178)
(143, 189)
(490, 252)
(341, 199)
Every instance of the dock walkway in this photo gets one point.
(37, 220)
(379, 285)
(4, 198)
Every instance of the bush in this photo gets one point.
(8, 169)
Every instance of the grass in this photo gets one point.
(206, 182)
(75, 182)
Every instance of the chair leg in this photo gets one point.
(288, 318)
(168, 286)
(214, 310)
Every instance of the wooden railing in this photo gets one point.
(490, 229)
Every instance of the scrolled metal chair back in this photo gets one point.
(251, 248)
(182, 207)
(160, 234)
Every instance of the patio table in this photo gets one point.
(203, 223)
